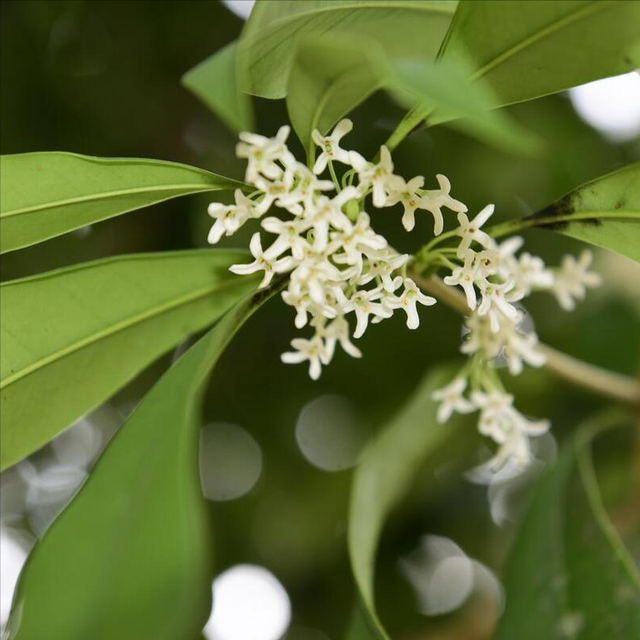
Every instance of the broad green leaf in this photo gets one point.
(329, 78)
(43, 195)
(275, 30)
(568, 574)
(604, 212)
(215, 82)
(528, 49)
(467, 106)
(71, 338)
(410, 441)
(130, 557)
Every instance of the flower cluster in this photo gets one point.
(495, 280)
(338, 266)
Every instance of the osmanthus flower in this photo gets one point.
(343, 276)
(452, 400)
(434, 200)
(262, 154)
(229, 218)
(377, 176)
(330, 146)
(266, 261)
(312, 350)
(408, 300)
(572, 279)
(471, 231)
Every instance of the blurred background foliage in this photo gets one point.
(103, 78)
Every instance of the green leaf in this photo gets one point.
(446, 88)
(275, 30)
(329, 78)
(410, 441)
(130, 556)
(604, 212)
(529, 49)
(71, 338)
(215, 82)
(44, 195)
(568, 574)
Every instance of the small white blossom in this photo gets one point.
(408, 301)
(338, 331)
(330, 146)
(434, 200)
(263, 154)
(470, 231)
(406, 192)
(264, 261)
(465, 277)
(373, 175)
(452, 399)
(229, 218)
(496, 301)
(364, 304)
(311, 350)
(573, 278)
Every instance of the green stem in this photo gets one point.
(334, 177)
(411, 120)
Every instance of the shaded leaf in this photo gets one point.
(72, 337)
(329, 78)
(409, 442)
(275, 30)
(44, 195)
(446, 89)
(215, 82)
(130, 557)
(568, 574)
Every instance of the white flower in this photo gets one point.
(433, 201)
(304, 191)
(363, 304)
(573, 278)
(408, 300)
(521, 347)
(229, 218)
(263, 153)
(496, 301)
(273, 191)
(382, 265)
(506, 426)
(452, 400)
(264, 261)
(470, 231)
(311, 350)
(407, 193)
(334, 332)
(312, 274)
(465, 277)
(327, 212)
(290, 235)
(374, 175)
(357, 239)
(330, 146)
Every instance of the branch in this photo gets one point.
(601, 381)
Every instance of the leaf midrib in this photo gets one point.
(113, 329)
(543, 33)
(105, 195)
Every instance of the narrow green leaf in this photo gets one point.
(604, 212)
(329, 78)
(215, 82)
(383, 478)
(445, 88)
(43, 195)
(71, 338)
(529, 49)
(130, 556)
(275, 30)
(568, 574)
